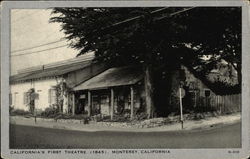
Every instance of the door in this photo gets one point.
(105, 108)
(95, 105)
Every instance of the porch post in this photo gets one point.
(89, 103)
(112, 103)
(73, 104)
(132, 102)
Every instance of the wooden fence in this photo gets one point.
(223, 104)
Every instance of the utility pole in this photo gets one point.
(181, 94)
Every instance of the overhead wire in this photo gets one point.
(118, 23)
(39, 50)
(152, 12)
(53, 42)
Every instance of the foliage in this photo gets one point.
(61, 90)
(50, 112)
(157, 38)
(31, 100)
(82, 117)
(11, 109)
(21, 112)
(140, 116)
(120, 118)
(94, 111)
(218, 86)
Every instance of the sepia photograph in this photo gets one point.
(134, 80)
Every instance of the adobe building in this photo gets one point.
(91, 88)
(44, 79)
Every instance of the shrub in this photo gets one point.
(38, 112)
(120, 118)
(19, 112)
(141, 116)
(82, 117)
(96, 118)
(79, 116)
(11, 109)
(50, 112)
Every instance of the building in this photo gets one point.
(114, 91)
(43, 79)
(94, 89)
(120, 91)
(200, 95)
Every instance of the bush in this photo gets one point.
(198, 116)
(82, 117)
(141, 116)
(50, 112)
(11, 109)
(19, 112)
(96, 118)
(119, 118)
(38, 112)
(79, 116)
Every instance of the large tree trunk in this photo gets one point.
(148, 81)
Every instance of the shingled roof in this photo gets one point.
(52, 70)
(118, 76)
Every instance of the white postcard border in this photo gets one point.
(174, 153)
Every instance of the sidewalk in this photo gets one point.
(188, 125)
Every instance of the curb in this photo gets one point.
(213, 126)
(197, 127)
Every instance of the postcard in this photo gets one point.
(125, 79)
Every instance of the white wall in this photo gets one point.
(41, 87)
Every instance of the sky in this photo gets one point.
(31, 28)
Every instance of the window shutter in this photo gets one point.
(24, 98)
(49, 96)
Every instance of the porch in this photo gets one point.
(116, 91)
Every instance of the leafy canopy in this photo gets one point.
(162, 37)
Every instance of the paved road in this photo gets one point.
(36, 137)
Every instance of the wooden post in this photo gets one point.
(73, 104)
(220, 104)
(132, 102)
(181, 108)
(149, 91)
(112, 104)
(89, 103)
(35, 115)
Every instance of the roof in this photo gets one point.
(118, 76)
(53, 69)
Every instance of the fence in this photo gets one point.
(223, 104)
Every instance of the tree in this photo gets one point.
(158, 39)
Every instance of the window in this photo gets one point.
(207, 93)
(193, 98)
(15, 98)
(52, 96)
(25, 97)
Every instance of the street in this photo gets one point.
(228, 136)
